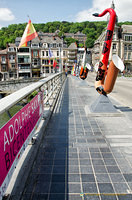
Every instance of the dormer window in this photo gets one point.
(11, 49)
(44, 45)
(35, 45)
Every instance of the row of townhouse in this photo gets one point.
(36, 60)
(121, 46)
(33, 60)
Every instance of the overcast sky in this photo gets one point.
(42, 11)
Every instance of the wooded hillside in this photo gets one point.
(91, 29)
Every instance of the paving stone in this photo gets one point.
(125, 197)
(121, 188)
(74, 188)
(88, 178)
(89, 188)
(105, 188)
(102, 178)
(86, 169)
(78, 152)
(74, 197)
(128, 177)
(113, 169)
(108, 197)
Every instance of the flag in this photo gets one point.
(29, 34)
(50, 53)
(54, 62)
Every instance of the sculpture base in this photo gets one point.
(102, 107)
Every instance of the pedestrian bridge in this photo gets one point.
(52, 149)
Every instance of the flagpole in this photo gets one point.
(60, 63)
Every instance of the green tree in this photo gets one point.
(89, 43)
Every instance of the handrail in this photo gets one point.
(12, 99)
(21, 129)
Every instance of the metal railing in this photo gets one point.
(50, 87)
(15, 136)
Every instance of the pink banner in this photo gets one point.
(14, 134)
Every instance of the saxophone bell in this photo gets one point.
(115, 65)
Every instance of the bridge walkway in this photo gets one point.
(79, 157)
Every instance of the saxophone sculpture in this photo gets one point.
(105, 79)
(85, 67)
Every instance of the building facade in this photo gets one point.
(121, 46)
(43, 55)
(8, 66)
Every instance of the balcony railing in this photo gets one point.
(12, 61)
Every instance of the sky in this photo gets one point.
(43, 11)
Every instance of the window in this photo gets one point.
(51, 69)
(11, 57)
(125, 47)
(35, 61)
(3, 58)
(129, 56)
(64, 53)
(114, 36)
(47, 53)
(54, 45)
(57, 53)
(130, 47)
(125, 56)
(128, 37)
(35, 45)
(26, 50)
(13, 66)
(43, 62)
(47, 69)
(23, 59)
(43, 53)
(3, 68)
(44, 45)
(114, 46)
(11, 49)
(35, 53)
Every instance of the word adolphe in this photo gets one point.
(16, 132)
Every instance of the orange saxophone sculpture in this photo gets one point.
(105, 79)
(83, 72)
(84, 69)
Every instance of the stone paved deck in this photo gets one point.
(91, 156)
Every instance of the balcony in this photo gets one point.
(36, 66)
(12, 61)
(71, 57)
(71, 53)
(24, 69)
(3, 62)
(71, 61)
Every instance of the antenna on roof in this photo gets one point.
(113, 5)
(28, 17)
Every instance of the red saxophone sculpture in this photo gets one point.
(114, 65)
